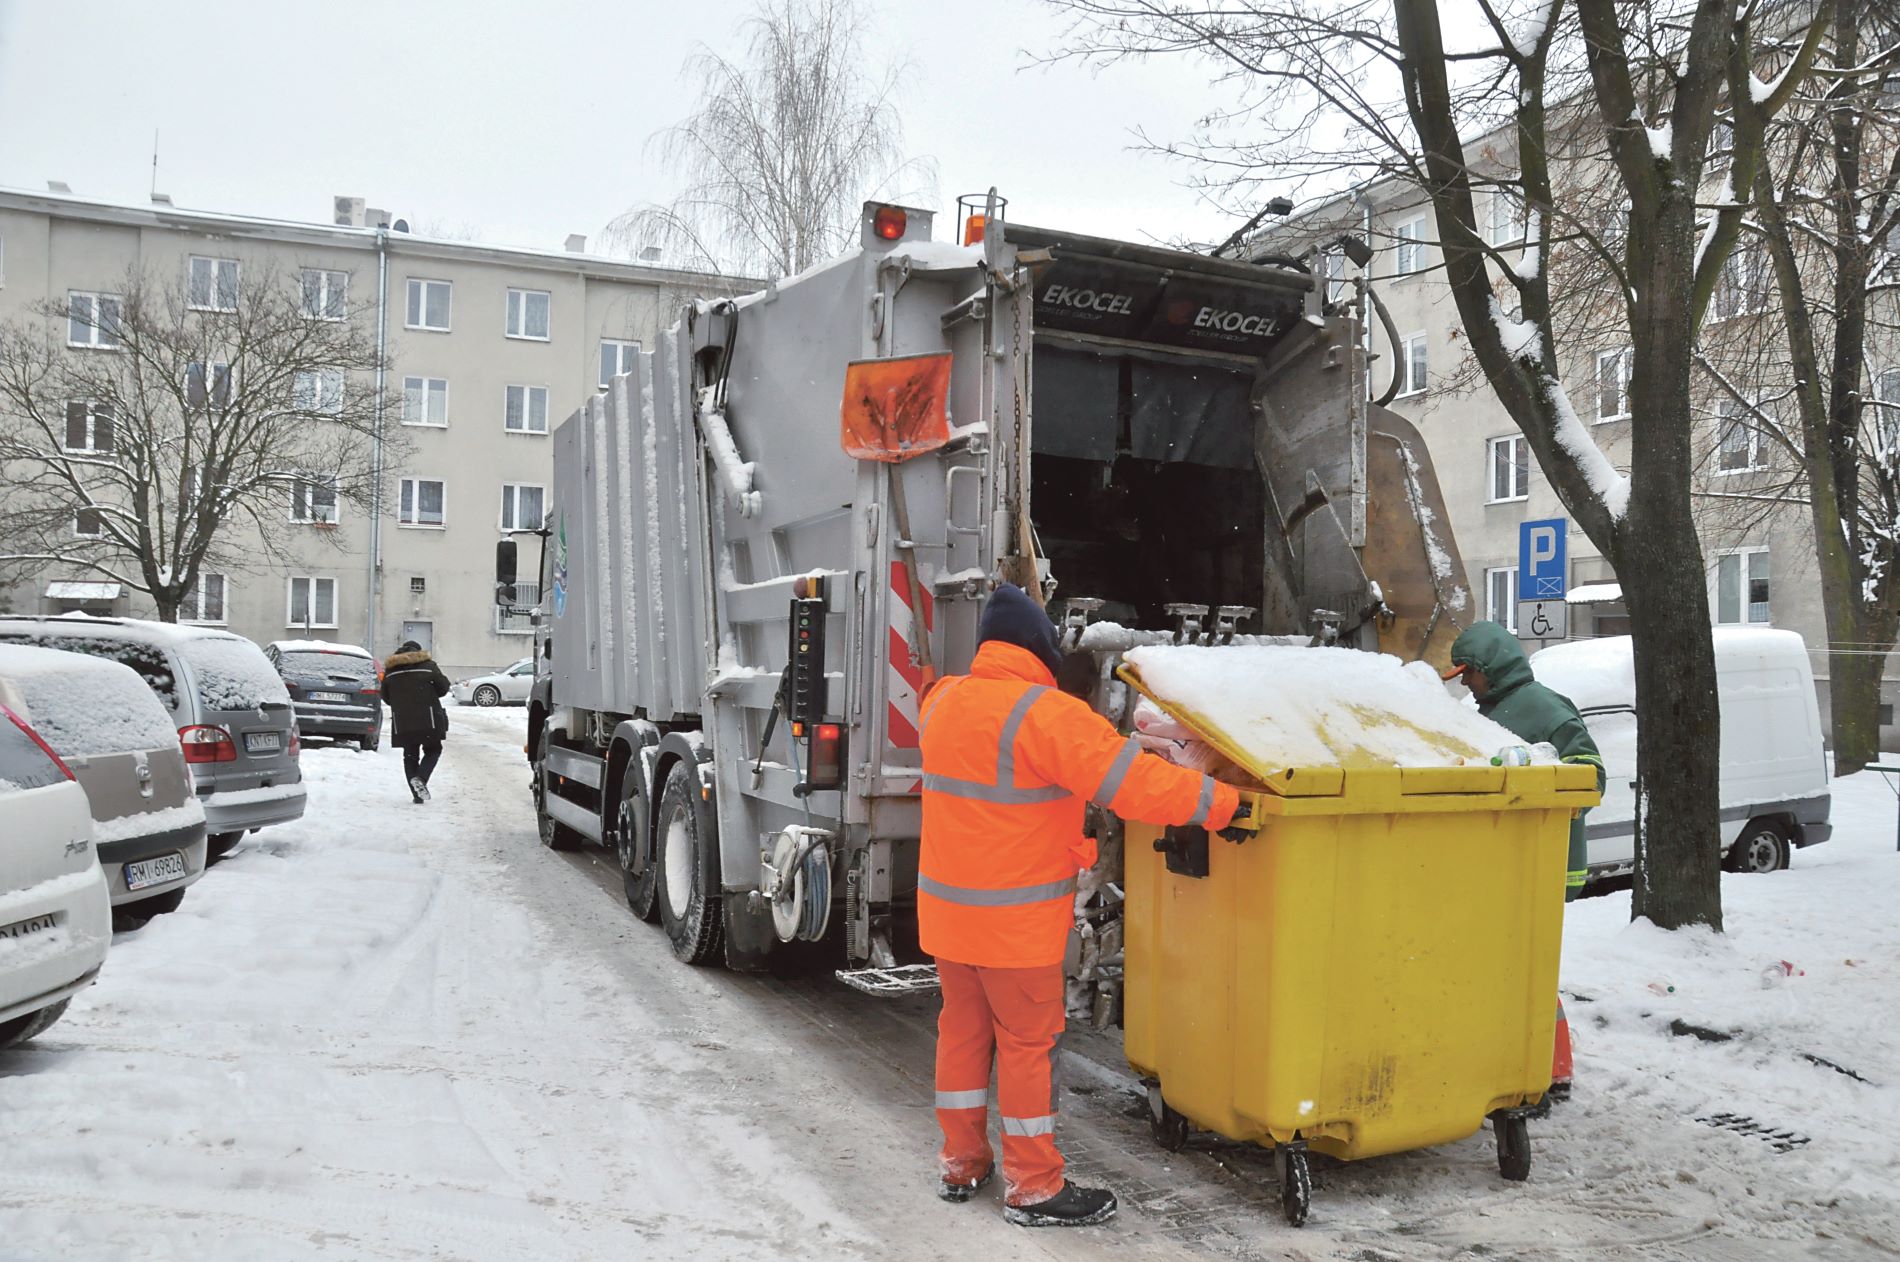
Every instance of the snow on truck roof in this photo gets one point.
(86, 705)
(924, 256)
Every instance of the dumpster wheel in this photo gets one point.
(1296, 1181)
(1169, 1128)
(1512, 1127)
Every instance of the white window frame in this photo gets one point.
(1509, 230)
(93, 410)
(1743, 604)
(416, 296)
(1415, 364)
(210, 374)
(515, 319)
(1520, 458)
(1734, 296)
(1409, 241)
(215, 290)
(1507, 616)
(78, 511)
(196, 597)
(303, 502)
(411, 491)
(99, 328)
(624, 351)
(1620, 360)
(332, 291)
(421, 388)
(1757, 441)
(319, 391)
(511, 506)
(527, 398)
(310, 582)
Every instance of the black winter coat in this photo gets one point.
(414, 685)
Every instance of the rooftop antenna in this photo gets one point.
(154, 164)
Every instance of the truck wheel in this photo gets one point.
(554, 834)
(688, 895)
(629, 834)
(1762, 847)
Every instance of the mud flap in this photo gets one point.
(750, 940)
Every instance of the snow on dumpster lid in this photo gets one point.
(1319, 707)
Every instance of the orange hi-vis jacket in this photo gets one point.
(1009, 766)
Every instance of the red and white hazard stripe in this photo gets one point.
(904, 677)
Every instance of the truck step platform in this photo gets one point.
(889, 983)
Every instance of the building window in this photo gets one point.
(1332, 268)
(1500, 597)
(521, 506)
(312, 602)
(319, 390)
(1413, 359)
(516, 619)
(204, 602)
(527, 411)
(325, 294)
(1742, 288)
(1509, 459)
(528, 314)
(1613, 385)
(1409, 253)
(616, 357)
(429, 305)
(425, 401)
(418, 585)
(88, 427)
(1504, 222)
(92, 320)
(422, 502)
(1741, 586)
(313, 500)
(88, 523)
(207, 388)
(212, 284)
(1738, 441)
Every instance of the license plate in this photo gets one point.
(263, 742)
(328, 696)
(24, 928)
(167, 867)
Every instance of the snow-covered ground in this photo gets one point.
(393, 1031)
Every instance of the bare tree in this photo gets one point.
(783, 147)
(1362, 90)
(161, 432)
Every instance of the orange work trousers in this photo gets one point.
(1015, 1015)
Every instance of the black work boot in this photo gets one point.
(957, 1193)
(418, 792)
(1071, 1207)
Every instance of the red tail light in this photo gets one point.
(204, 743)
(296, 745)
(889, 222)
(825, 769)
(370, 691)
(34, 736)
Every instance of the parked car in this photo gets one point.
(336, 689)
(508, 686)
(230, 708)
(101, 719)
(1773, 765)
(55, 913)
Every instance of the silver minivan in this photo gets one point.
(232, 712)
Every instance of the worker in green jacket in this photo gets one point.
(1492, 664)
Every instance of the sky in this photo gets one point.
(519, 123)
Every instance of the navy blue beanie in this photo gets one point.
(1014, 618)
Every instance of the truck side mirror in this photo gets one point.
(505, 572)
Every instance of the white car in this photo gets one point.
(55, 913)
(507, 686)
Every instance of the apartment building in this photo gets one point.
(1757, 541)
(485, 350)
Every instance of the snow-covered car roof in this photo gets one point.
(320, 646)
(231, 672)
(170, 634)
(85, 705)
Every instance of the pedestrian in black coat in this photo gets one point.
(414, 686)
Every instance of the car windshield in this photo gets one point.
(313, 663)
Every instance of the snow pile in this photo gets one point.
(147, 823)
(84, 705)
(233, 674)
(1320, 707)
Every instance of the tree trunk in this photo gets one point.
(167, 606)
(1854, 706)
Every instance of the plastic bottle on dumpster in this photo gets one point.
(1512, 756)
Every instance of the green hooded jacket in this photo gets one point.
(1533, 713)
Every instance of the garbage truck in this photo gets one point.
(767, 539)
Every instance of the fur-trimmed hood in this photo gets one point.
(396, 661)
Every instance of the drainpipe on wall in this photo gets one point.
(376, 449)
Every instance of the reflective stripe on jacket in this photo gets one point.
(1009, 766)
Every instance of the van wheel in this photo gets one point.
(1762, 847)
(629, 835)
(690, 907)
(554, 834)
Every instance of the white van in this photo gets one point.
(1773, 764)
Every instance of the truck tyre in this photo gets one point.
(688, 888)
(1762, 847)
(554, 834)
(630, 835)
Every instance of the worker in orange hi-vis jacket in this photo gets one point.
(1009, 764)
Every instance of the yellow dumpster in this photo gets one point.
(1370, 968)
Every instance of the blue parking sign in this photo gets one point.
(1540, 559)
